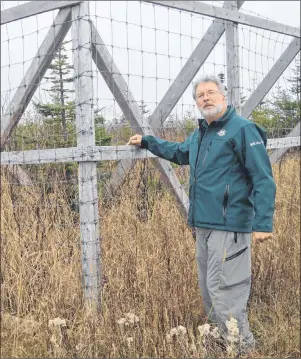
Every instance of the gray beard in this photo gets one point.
(212, 111)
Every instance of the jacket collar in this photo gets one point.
(221, 121)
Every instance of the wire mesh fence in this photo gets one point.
(149, 45)
(138, 50)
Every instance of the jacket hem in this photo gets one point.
(228, 228)
(263, 229)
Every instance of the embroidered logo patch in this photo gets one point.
(256, 143)
(221, 132)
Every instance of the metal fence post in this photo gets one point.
(88, 196)
(232, 48)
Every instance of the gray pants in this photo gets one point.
(224, 273)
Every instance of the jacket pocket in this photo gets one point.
(225, 201)
(236, 268)
(236, 254)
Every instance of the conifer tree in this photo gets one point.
(61, 109)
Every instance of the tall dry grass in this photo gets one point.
(149, 269)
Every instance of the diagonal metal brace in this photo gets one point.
(35, 73)
(131, 111)
(172, 96)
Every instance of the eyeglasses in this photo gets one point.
(209, 94)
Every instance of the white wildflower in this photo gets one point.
(121, 322)
(182, 330)
(79, 347)
(179, 331)
(169, 338)
(233, 330)
(215, 333)
(173, 332)
(204, 329)
(131, 318)
(53, 340)
(130, 341)
(57, 322)
(193, 348)
(233, 336)
(230, 350)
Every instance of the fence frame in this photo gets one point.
(112, 153)
(232, 50)
(33, 8)
(86, 153)
(87, 171)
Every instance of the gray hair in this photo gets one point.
(208, 78)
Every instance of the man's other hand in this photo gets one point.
(259, 237)
(135, 140)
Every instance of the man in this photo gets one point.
(232, 198)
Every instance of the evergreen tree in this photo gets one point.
(296, 80)
(190, 123)
(101, 136)
(143, 108)
(281, 113)
(60, 109)
(221, 76)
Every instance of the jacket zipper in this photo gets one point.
(194, 179)
(225, 202)
(207, 150)
(236, 254)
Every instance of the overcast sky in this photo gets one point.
(150, 57)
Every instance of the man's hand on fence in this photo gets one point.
(135, 140)
(259, 237)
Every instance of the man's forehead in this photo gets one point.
(205, 86)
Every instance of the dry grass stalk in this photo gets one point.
(149, 270)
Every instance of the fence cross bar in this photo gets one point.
(112, 153)
(199, 7)
(33, 8)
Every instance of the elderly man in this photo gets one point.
(232, 198)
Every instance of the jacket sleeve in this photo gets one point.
(177, 152)
(252, 143)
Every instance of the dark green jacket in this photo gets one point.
(231, 184)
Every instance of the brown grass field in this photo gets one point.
(149, 269)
